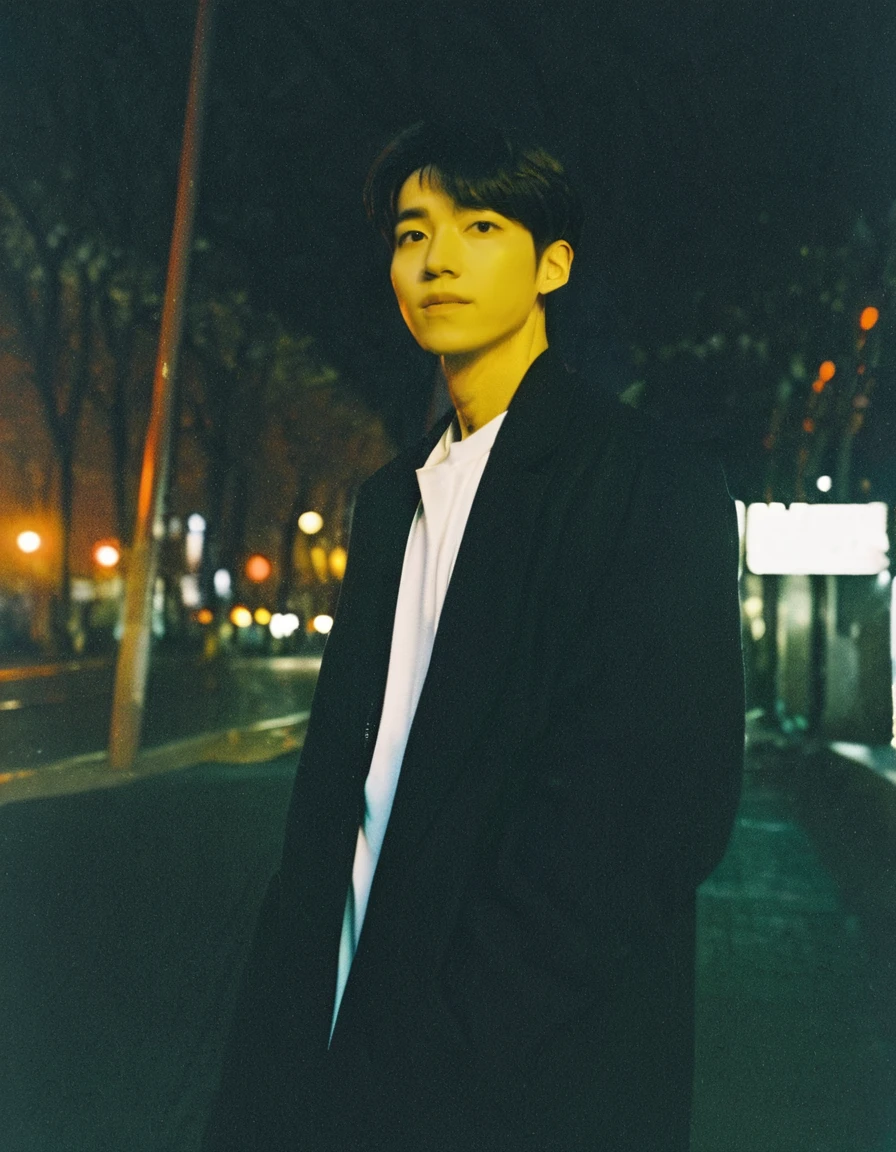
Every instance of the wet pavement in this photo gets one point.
(127, 911)
(796, 1011)
(54, 711)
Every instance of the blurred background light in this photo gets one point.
(337, 561)
(258, 568)
(106, 554)
(240, 616)
(222, 582)
(28, 541)
(283, 624)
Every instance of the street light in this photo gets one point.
(240, 616)
(28, 542)
(258, 568)
(106, 553)
(310, 523)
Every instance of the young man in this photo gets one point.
(525, 746)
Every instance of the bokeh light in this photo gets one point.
(258, 568)
(106, 554)
(338, 558)
(310, 522)
(28, 541)
(240, 616)
(283, 624)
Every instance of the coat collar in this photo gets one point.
(484, 600)
(535, 417)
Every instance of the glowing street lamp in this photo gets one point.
(258, 568)
(827, 370)
(240, 616)
(106, 553)
(28, 542)
(310, 523)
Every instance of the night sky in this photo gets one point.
(711, 139)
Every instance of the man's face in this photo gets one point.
(466, 278)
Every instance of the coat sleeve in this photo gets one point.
(623, 806)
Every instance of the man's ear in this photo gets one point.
(554, 266)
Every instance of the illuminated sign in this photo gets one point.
(817, 539)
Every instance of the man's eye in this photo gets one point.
(411, 234)
(484, 226)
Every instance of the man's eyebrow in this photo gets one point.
(411, 214)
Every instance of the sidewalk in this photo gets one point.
(797, 964)
(91, 772)
(127, 911)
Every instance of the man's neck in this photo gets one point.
(482, 384)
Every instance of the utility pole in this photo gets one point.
(133, 654)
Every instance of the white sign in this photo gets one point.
(817, 539)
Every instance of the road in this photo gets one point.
(51, 712)
(127, 912)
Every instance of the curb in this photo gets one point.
(254, 743)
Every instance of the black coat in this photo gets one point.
(524, 979)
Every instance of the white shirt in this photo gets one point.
(448, 482)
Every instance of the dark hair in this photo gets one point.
(478, 166)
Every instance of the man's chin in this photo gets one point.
(447, 347)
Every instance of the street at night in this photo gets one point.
(51, 712)
(128, 910)
(490, 408)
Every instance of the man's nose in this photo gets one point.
(442, 254)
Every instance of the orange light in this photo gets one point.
(205, 616)
(240, 616)
(826, 371)
(868, 319)
(258, 568)
(808, 425)
(818, 385)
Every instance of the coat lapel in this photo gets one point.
(483, 603)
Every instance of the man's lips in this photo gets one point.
(436, 298)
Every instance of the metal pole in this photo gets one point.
(133, 654)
